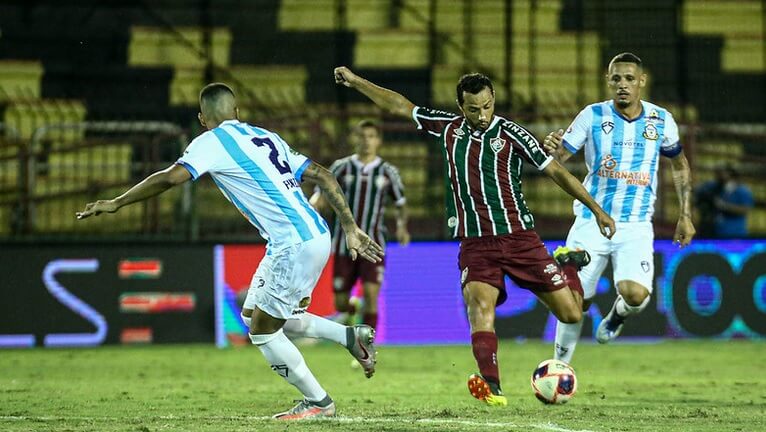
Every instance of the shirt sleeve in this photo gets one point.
(295, 159)
(432, 121)
(396, 191)
(531, 150)
(577, 133)
(671, 143)
(200, 156)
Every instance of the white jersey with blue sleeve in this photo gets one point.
(622, 157)
(260, 174)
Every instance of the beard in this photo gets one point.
(623, 103)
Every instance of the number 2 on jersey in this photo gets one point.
(281, 166)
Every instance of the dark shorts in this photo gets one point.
(346, 272)
(521, 255)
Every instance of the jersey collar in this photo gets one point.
(366, 167)
(618, 114)
(476, 132)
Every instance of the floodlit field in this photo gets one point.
(670, 386)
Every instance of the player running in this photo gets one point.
(260, 174)
(623, 139)
(487, 212)
(368, 183)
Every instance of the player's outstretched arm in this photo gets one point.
(386, 99)
(570, 185)
(153, 185)
(682, 179)
(357, 241)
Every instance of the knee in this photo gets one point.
(636, 297)
(259, 339)
(570, 315)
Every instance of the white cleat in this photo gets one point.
(306, 410)
(363, 348)
(610, 327)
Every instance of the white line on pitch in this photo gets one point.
(541, 426)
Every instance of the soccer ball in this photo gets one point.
(554, 382)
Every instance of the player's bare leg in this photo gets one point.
(266, 333)
(370, 306)
(480, 300)
(344, 307)
(632, 299)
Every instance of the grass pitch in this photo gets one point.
(669, 386)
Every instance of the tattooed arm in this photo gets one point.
(357, 241)
(683, 182)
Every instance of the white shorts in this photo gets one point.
(631, 250)
(286, 276)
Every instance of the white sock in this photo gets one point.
(625, 310)
(567, 336)
(313, 326)
(287, 361)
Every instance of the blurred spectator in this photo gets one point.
(723, 204)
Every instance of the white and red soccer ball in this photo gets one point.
(554, 382)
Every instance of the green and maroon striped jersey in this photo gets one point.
(484, 172)
(367, 189)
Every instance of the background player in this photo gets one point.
(368, 182)
(260, 174)
(623, 139)
(484, 155)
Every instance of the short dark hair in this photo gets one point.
(626, 57)
(472, 83)
(369, 123)
(213, 91)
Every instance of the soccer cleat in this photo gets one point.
(481, 390)
(578, 257)
(610, 327)
(363, 348)
(306, 410)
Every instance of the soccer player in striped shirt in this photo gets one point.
(487, 212)
(368, 183)
(260, 174)
(623, 140)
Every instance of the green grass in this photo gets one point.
(670, 386)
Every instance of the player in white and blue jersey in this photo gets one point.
(260, 174)
(623, 139)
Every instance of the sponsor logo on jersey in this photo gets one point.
(607, 127)
(609, 163)
(497, 144)
(650, 132)
(551, 269)
(607, 170)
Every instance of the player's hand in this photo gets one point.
(684, 232)
(402, 236)
(96, 208)
(605, 224)
(344, 76)
(553, 141)
(359, 244)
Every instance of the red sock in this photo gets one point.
(371, 319)
(570, 271)
(484, 345)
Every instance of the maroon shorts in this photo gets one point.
(347, 271)
(521, 255)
